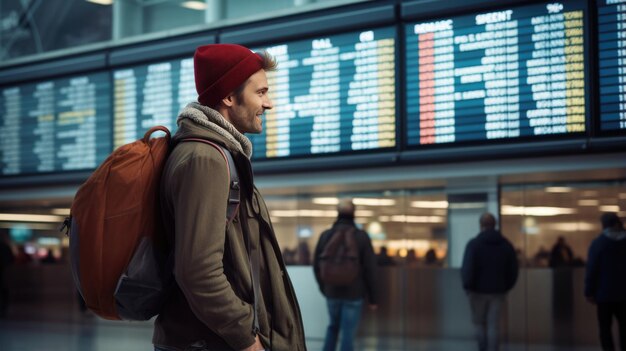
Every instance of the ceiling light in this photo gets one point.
(357, 201)
(570, 227)
(17, 217)
(588, 202)
(537, 211)
(373, 202)
(194, 5)
(325, 200)
(558, 189)
(61, 211)
(363, 213)
(303, 213)
(609, 208)
(430, 204)
(415, 219)
(101, 2)
(32, 226)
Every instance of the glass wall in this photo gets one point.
(32, 27)
(409, 226)
(35, 27)
(422, 296)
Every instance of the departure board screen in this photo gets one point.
(149, 95)
(510, 73)
(331, 95)
(612, 52)
(55, 125)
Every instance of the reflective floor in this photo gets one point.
(62, 327)
(105, 336)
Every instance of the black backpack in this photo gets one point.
(339, 261)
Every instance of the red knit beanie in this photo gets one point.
(221, 68)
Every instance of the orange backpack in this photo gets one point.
(120, 260)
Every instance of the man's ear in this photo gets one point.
(229, 100)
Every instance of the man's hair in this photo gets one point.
(269, 64)
(345, 207)
(487, 221)
(609, 220)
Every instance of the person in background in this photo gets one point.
(489, 271)
(605, 279)
(430, 258)
(6, 259)
(345, 302)
(561, 254)
(383, 258)
(232, 290)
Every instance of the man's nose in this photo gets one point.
(267, 103)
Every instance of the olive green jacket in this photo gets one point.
(211, 305)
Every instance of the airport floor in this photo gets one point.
(64, 328)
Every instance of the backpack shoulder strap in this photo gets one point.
(233, 175)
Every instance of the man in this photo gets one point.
(212, 306)
(605, 285)
(561, 254)
(6, 259)
(489, 271)
(345, 302)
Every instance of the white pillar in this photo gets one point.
(127, 19)
(215, 11)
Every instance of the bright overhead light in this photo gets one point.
(588, 202)
(411, 219)
(33, 226)
(325, 200)
(430, 204)
(101, 2)
(373, 202)
(359, 201)
(570, 227)
(17, 217)
(609, 208)
(194, 5)
(363, 213)
(303, 213)
(537, 211)
(61, 211)
(558, 189)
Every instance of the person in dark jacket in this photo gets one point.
(215, 303)
(345, 302)
(561, 254)
(489, 271)
(605, 279)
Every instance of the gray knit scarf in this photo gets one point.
(213, 120)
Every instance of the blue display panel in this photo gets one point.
(612, 52)
(331, 95)
(512, 73)
(55, 125)
(148, 95)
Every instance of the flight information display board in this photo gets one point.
(509, 73)
(612, 52)
(55, 125)
(331, 94)
(149, 95)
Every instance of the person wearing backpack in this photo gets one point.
(345, 270)
(232, 290)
